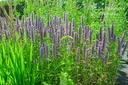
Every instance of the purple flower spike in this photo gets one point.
(104, 41)
(6, 34)
(97, 42)
(84, 49)
(114, 38)
(23, 23)
(73, 34)
(109, 34)
(83, 31)
(32, 18)
(76, 38)
(42, 52)
(125, 47)
(29, 21)
(100, 33)
(41, 29)
(69, 47)
(123, 36)
(92, 50)
(17, 24)
(79, 33)
(83, 37)
(60, 21)
(104, 23)
(47, 52)
(78, 55)
(36, 22)
(82, 22)
(66, 22)
(99, 52)
(61, 31)
(70, 29)
(86, 29)
(90, 36)
(106, 57)
(54, 50)
(54, 39)
(112, 34)
(97, 36)
(119, 46)
(72, 43)
(28, 32)
(17, 21)
(73, 24)
(86, 56)
(105, 29)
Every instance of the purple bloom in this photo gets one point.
(23, 23)
(84, 49)
(76, 38)
(125, 47)
(36, 22)
(29, 21)
(27, 32)
(17, 21)
(114, 38)
(82, 22)
(97, 36)
(60, 21)
(112, 34)
(78, 55)
(48, 20)
(73, 24)
(72, 43)
(66, 22)
(104, 23)
(99, 52)
(86, 56)
(32, 18)
(109, 34)
(47, 52)
(103, 41)
(106, 57)
(54, 50)
(100, 33)
(79, 34)
(90, 36)
(61, 31)
(69, 47)
(119, 46)
(6, 34)
(73, 34)
(92, 50)
(86, 29)
(42, 51)
(123, 36)
(97, 42)
(41, 29)
(54, 39)
(83, 30)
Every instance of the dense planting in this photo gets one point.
(62, 42)
(59, 53)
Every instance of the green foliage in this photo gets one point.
(20, 62)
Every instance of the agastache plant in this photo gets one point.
(56, 30)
